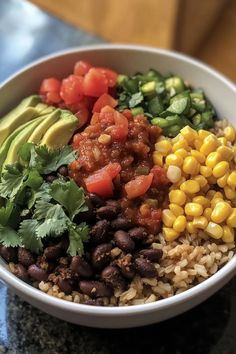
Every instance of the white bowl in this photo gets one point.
(124, 59)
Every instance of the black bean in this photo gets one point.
(138, 233)
(8, 253)
(99, 232)
(80, 266)
(25, 257)
(95, 288)
(20, 272)
(115, 204)
(65, 285)
(64, 243)
(50, 178)
(94, 302)
(96, 200)
(123, 241)
(127, 272)
(37, 273)
(107, 212)
(111, 276)
(63, 171)
(121, 223)
(52, 252)
(145, 268)
(151, 254)
(101, 255)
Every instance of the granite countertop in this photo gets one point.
(207, 329)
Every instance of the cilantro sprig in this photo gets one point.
(32, 209)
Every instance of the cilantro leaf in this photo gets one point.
(5, 213)
(27, 233)
(55, 222)
(135, 99)
(34, 180)
(9, 237)
(12, 181)
(25, 152)
(68, 194)
(41, 209)
(43, 193)
(77, 235)
(50, 160)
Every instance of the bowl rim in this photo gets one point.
(227, 270)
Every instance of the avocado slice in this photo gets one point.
(60, 133)
(6, 145)
(21, 138)
(43, 108)
(41, 129)
(21, 114)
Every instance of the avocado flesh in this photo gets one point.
(43, 108)
(6, 145)
(21, 138)
(60, 133)
(42, 128)
(21, 114)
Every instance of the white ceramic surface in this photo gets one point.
(124, 59)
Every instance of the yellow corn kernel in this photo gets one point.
(191, 165)
(181, 144)
(181, 152)
(202, 181)
(212, 159)
(210, 144)
(157, 158)
(207, 213)
(175, 160)
(193, 209)
(198, 156)
(231, 180)
(205, 171)
(170, 234)
(221, 211)
(231, 221)
(200, 199)
(206, 188)
(164, 147)
(104, 139)
(178, 184)
(225, 152)
(215, 201)
(222, 181)
(191, 228)
(168, 217)
(222, 140)
(220, 169)
(176, 209)
(218, 195)
(200, 222)
(173, 174)
(180, 223)
(197, 144)
(228, 234)
(229, 134)
(229, 193)
(177, 197)
(214, 230)
(212, 180)
(189, 134)
(190, 187)
(203, 134)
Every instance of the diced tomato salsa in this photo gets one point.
(115, 148)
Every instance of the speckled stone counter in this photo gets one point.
(208, 329)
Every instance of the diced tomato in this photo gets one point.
(82, 113)
(72, 89)
(109, 74)
(50, 85)
(119, 131)
(101, 181)
(77, 140)
(53, 97)
(159, 177)
(128, 114)
(81, 68)
(138, 186)
(104, 100)
(95, 83)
